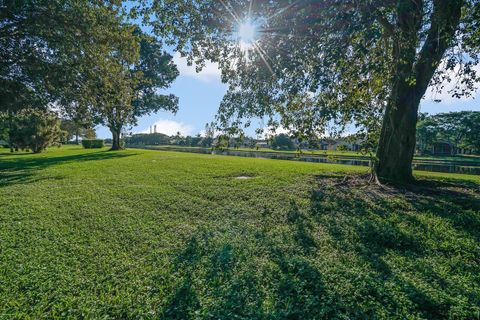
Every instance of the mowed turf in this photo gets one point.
(164, 235)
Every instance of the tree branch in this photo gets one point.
(387, 26)
(445, 19)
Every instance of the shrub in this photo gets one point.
(92, 143)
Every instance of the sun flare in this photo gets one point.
(247, 34)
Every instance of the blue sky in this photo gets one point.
(200, 95)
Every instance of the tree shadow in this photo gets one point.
(351, 250)
(20, 177)
(220, 280)
(24, 169)
(458, 203)
(384, 225)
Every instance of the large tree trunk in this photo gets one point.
(10, 128)
(397, 140)
(116, 143)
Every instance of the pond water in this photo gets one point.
(422, 165)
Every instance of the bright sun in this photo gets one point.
(247, 34)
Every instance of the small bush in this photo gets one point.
(92, 144)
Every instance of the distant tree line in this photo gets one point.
(283, 142)
(148, 139)
(163, 139)
(75, 131)
(221, 141)
(460, 129)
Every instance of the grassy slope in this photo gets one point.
(173, 235)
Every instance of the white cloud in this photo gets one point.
(271, 131)
(216, 133)
(170, 127)
(209, 73)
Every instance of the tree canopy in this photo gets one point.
(130, 85)
(50, 49)
(148, 139)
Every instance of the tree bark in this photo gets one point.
(397, 138)
(116, 143)
(10, 128)
(412, 75)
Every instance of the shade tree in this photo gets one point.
(130, 84)
(85, 59)
(311, 63)
(49, 49)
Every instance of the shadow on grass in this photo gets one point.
(219, 280)
(408, 238)
(23, 169)
(351, 251)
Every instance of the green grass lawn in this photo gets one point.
(164, 235)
